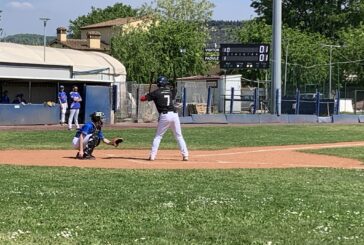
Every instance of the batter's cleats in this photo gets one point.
(185, 159)
(151, 158)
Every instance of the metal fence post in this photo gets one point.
(208, 100)
(337, 104)
(298, 98)
(184, 102)
(256, 98)
(231, 100)
(317, 103)
(137, 105)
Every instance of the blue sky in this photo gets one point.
(22, 16)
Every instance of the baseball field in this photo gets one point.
(266, 184)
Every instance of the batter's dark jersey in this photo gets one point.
(163, 99)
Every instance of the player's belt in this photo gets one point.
(165, 112)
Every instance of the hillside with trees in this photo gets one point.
(27, 39)
(221, 31)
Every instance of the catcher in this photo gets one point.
(90, 135)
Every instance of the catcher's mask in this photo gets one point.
(162, 81)
(97, 116)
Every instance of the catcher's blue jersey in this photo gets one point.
(89, 128)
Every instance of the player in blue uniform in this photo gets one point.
(75, 108)
(62, 98)
(89, 136)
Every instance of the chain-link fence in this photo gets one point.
(140, 111)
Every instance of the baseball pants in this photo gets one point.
(76, 141)
(73, 117)
(64, 107)
(169, 120)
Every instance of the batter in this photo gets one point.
(168, 117)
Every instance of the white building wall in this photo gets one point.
(8, 70)
(225, 85)
(106, 33)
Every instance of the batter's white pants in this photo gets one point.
(73, 117)
(76, 141)
(63, 112)
(169, 120)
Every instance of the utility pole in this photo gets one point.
(276, 70)
(44, 19)
(330, 70)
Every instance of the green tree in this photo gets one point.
(181, 10)
(174, 42)
(181, 47)
(137, 51)
(307, 60)
(98, 15)
(323, 16)
(352, 53)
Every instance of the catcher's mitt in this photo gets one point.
(117, 141)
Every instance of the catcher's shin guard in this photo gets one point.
(91, 144)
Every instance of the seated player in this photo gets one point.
(89, 136)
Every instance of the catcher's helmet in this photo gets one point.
(97, 116)
(162, 81)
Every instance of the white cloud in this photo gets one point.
(21, 5)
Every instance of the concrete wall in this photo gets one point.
(269, 119)
(18, 114)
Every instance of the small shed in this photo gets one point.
(196, 88)
(36, 72)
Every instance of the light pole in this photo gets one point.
(1, 29)
(276, 69)
(44, 19)
(330, 71)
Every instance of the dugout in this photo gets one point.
(36, 74)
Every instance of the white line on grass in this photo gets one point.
(283, 149)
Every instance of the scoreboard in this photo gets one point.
(243, 56)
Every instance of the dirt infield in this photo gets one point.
(247, 157)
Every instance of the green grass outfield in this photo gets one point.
(61, 205)
(196, 137)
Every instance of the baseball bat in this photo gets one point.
(151, 81)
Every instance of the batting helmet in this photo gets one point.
(97, 116)
(162, 81)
